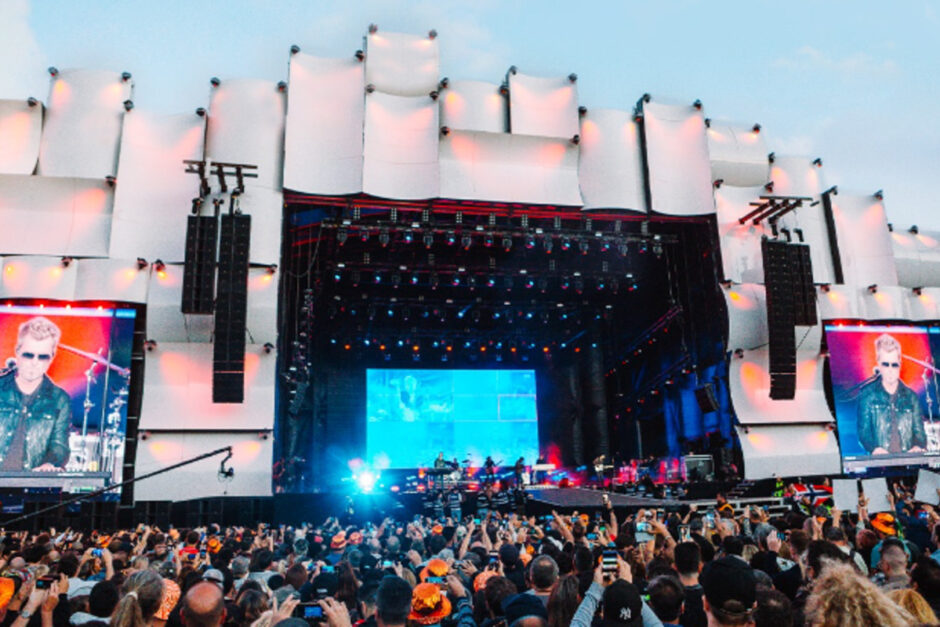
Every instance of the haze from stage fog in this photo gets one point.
(855, 83)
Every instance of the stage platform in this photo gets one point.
(581, 498)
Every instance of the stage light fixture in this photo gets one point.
(110, 180)
(150, 345)
(529, 242)
(201, 112)
(373, 28)
(529, 283)
(490, 281)
(450, 238)
(488, 240)
(128, 105)
(337, 276)
(817, 162)
(377, 278)
(565, 243)
(755, 128)
(408, 237)
(32, 102)
(159, 266)
(396, 280)
(141, 263)
(880, 195)
(918, 291)
(341, 236)
(873, 288)
(267, 348)
(585, 246)
(697, 104)
(281, 86)
(384, 238)
(565, 283)
(913, 230)
(415, 278)
(548, 245)
(428, 240)
(66, 261)
(355, 281)
(572, 78)
(578, 285)
(824, 287)
(466, 241)
(214, 81)
(507, 243)
(53, 71)
(364, 235)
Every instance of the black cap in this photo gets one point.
(622, 605)
(730, 587)
(521, 605)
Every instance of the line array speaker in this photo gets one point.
(781, 318)
(199, 271)
(805, 294)
(231, 311)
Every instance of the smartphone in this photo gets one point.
(609, 562)
(327, 569)
(96, 553)
(388, 564)
(43, 583)
(643, 527)
(684, 535)
(202, 554)
(436, 580)
(308, 611)
(476, 521)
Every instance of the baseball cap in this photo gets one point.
(730, 587)
(215, 576)
(522, 605)
(623, 606)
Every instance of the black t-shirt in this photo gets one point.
(694, 614)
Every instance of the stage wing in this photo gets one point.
(82, 129)
(864, 240)
(111, 280)
(839, 302)
(788, 451)
(20, 134)
(918, 257)
(738, 154)
(610, 166)
(402, 64)
(155, 193)
(677, 155)
(266, 208)
(543, 106)
(246, 125)
(55, 215)
(925, 306)
(251, 459)
(325, 115)
(749, 383)
(37, 277)
(740, 243)
(165, 321)
(474, 106)
(178, 390)
(508, 168)
(262, 306)
(401, 147)
(747, 316)
(890, 302)
(798, 176)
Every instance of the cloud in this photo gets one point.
(21, 73)
(854, 65)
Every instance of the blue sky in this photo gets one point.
(856, 83)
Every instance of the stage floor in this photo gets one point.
(582, 498)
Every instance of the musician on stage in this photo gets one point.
(440, 463)
(489, 470)
(35, 413)
(519, 470)
(599, 468)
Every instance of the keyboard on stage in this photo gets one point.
(68, 481)
(543, 467)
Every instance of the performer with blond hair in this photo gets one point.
(35, 413)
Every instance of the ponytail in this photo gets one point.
(143, 593)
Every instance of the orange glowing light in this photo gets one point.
(734, 296)
(416, 348)
(56, 271)
(161, 274)
(544, 349)
(382, 347)
(482, 349)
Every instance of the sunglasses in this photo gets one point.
(40, 356)
(892, 364)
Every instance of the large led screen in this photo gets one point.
(63, 395)
(412, 415)
(885, 388)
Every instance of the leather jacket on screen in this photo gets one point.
(875, 406)
(48, 419)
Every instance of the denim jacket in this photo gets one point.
(48, 419)
(874, 417)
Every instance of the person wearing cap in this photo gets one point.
(623, 605)
(392, 602)
(730, 592)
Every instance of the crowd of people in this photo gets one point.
(719, 565)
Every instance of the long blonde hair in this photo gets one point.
(842, 598)
(143, 592)
(913, 602)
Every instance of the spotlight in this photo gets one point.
(913, 230)
(573, 77)
(281, 86)
(110, 180)
(428, 240)
(697, 104)
(66, 262)
(622, 249)
(771, 157)
(507, 243)
(294, 49)
(360, 55)
(32, 102)
(450, 238)
(918, 291)
(585, 246)
(364, 235)
(576, 139)
(530, 242)
(756, 128)
(488, 240)
(432, 34)
(141, 263)
(708, 122)
(769, 186)
(414, 279)
(565, 243)
(201, 112)
(53, 71)
(582, 111)
(817, 162)
(548, 244)
(466, 241)
(384, 237)
(873, 288)
(159, 266)
(880, 195)
(267, 348)
(341, 236)
(125, 76)
(150, 345)
(272, 268)
(739, 353)
(373, 28)
(214, 81)
(824, 287)
(408, 237)
(717, 183)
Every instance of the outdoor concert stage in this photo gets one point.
(581, 499)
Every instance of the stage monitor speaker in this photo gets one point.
(707, 401)
(231, 311)
(781, 317)
(199, 268)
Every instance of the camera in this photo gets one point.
(96, 553)
(310, 612)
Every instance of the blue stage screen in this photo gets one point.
(412, 415)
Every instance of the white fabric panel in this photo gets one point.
(246, 125)
(864, 240)
(510, 168)
(917, 257)
(111, 279)
(37, 277)
(474, 106)
(252, 457)
(926, 306)
(265, 207)
(165, 321)
(677, 155)
(154, 194)
(55, 216)
(20, 133)
(323, 136)
(890, 302)
(262, 306)
(401, 147)
(543, 106)
(83, 124)
(798, 176)
(178, 390)
(738, 154)
(788, 451)
(749, 384)
(402, 64)
(840, 302)
(740, 243)
(747, 316)
(610, 167)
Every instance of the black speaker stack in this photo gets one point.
(199, 268)
(231, 310)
